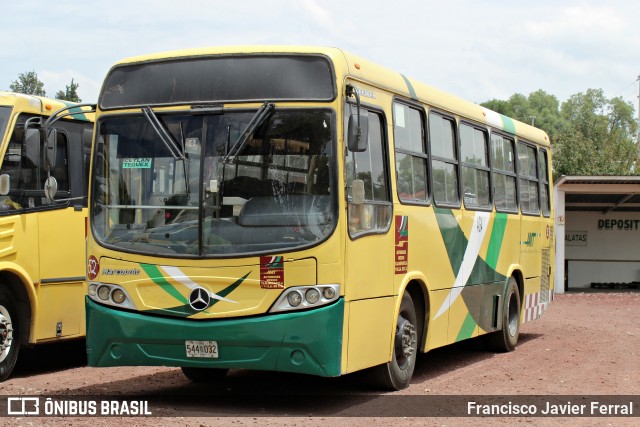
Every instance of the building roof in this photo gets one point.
(600, 193)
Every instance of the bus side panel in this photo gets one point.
(17, 234)
(371, 328)
(62, 271)
(530, 244)
(60, 303)
(438, 326)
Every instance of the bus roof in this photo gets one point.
(347, 65)
(33, 104)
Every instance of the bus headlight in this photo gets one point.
(294, 299)
(118, 296)
(312, 296)
(92, 289)
(302, 297)
(106, 293)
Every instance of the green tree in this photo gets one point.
(597, 137)
(70, 93)
(539, 109)
(28, 83)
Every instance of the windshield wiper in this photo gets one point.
(261, 115)
(162, 132)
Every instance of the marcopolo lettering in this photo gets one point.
(619, 224)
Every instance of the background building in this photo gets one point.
(599, 218)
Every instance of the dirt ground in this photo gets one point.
(584, 344)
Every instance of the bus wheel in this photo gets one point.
(506, 339)
(204, 375)
(9, 336)
(397, 373)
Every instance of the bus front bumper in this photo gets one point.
(307, 342)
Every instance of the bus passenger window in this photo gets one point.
(411, 154)
(504, 173)
(475, 167)
(444, 160)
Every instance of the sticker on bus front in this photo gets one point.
(142, 163)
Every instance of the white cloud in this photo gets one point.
(478, 50)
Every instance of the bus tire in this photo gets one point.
(396, 374)
(9, 334)
(204, 375)
(506, 339)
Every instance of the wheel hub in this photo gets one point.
(6, 336)
(406, 338)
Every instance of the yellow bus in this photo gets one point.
(43, 221)
(302, 209)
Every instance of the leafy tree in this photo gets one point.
(590, 134)
(598, 136)
(70, 94)
(29, 84)
(539, 109)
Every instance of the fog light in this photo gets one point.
(118, 296)
(294, 298)
(329, 293)
(103, 292)
(312, 296)
(92, 289)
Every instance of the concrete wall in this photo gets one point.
(602, 248)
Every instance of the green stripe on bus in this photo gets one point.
(467, 329)
(410, 88)
(77, 115)
(508, 125)
(232, 287)
(154, 274)
(454, 239)
(495, 241)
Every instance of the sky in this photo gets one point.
(479, 50)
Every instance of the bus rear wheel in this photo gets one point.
(9, 336)
(506, 339)
(396, 374)
(204, 375)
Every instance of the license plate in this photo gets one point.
(206, 349)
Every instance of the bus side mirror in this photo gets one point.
(87, 137)
(32, 148)
(358, 131)
(51, 146)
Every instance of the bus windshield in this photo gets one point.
(166, 184)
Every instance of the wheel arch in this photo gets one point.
(518, 276)
(24, 294)
(417, 288)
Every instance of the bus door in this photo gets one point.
(370, 251)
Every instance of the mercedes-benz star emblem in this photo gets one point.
(199, 299)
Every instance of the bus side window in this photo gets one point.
(411, 154)
(27, 184)
(528, 176)
(504, 173)
(444, 160)
(543, 165)
(475, 167)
